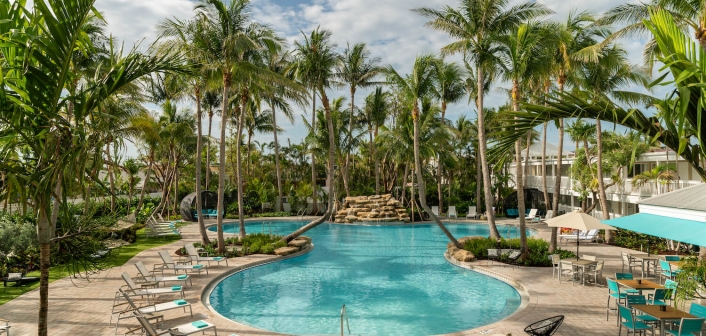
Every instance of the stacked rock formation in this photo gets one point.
(377, 208)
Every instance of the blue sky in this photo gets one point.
(389, 27)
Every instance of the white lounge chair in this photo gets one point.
(154, 229)
(196, 256)
(148, 309)
(532, 214)
(149, 276)
(180, 330)
(452, 212)
(435, 210)
(5, 329)
(472, 212)
(169, 263)
(590, 236)
(137, 290)
(571, 236)
(549, 215)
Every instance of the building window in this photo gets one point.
(638, 169)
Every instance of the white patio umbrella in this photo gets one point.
(579, 221)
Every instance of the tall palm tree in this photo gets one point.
(316, 64)
(42, 46)
(450, 88)
(358, 70)
(474, 25)
(417, 85)
(376, 111)
(211, 102)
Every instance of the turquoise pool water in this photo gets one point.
(392, 279)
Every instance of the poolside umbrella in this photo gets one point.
(579, 221)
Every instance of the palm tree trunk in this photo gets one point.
(248, 167)
(420, 180)
(520, 180)
(147, 179)
(527, 157)
(329, 177)
(483, 141)
(557, 177)
(44, 237)
(278, 168)
(239, 164)
(111, 178)
(314, 208)
(601, 183)
(404, 181)
(348, 150)
(56, 204)
(222, 164)
(199, 150)
(377, 162)
(208, 152)
(479, 179)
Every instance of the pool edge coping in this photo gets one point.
(518, 286)
(206, 291)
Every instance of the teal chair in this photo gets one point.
(688, 326)
(697, 310)
(658, 297)
(672, 258)
(626, 276)
(667, 270)
(671, 289)
(627, 320)
(640, 300)
(614, 293)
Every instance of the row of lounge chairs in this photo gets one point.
(583, 236)
(148, 285)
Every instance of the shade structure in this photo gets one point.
(682, 230)
(578, 220)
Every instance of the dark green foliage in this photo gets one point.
(638, 241)
(538, 250)
(273, 214)
(256, 243)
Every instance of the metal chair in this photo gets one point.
(687, 326)
(545, 327)
(629, 322)
(596, 272)
(556, 260)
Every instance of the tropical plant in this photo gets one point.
(659, 175)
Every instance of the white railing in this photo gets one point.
(624, 188)
(344, 314)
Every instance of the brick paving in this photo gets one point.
(81, 308)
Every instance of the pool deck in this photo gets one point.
(81, 308)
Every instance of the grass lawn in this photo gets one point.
(120, 257)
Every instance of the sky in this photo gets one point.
(391, 30)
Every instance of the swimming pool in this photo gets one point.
(393, 280)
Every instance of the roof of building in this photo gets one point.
(691, 198)
(536, 150)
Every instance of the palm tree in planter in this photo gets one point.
(416, 86)
(659, 175)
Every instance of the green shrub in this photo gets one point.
(273, 214)
(538, 250)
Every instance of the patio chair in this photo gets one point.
(667, 271)
(567, 268)
(435, 211)
(137, 290)
(532, 214)
(549, 215)
(640, 300)
(150, 309)
(471, 212)
(627, 320)
(590, 236)
(629, 262)
(614, 294)
(452, 212)
(493, 254)
(672, 258)
(169, 263)
(687, 326)
(588, 257)
(5, 329)
(180, 330)
(196, 255)
(556, 260)
(658, 297)
(147, 275)
(567, 237)
(155, 230)
(546, 327)
(626, 276)
(15, 278)
(596, 272)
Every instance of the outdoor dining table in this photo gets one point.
(582, 263)
(670, 314)
(643, 285)
(676, 264)
(646, 259)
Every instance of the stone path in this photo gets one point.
(79, 308)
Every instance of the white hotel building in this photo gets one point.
(622, 197)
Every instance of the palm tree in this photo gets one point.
(316, 63)
(582, 132)
(661, 174)
(132, 168)
(474, 25)
(358, 70)
(449, 88)
(211, 101)
(146, 132)
(376, 112)
(54, 31)
(416, 86)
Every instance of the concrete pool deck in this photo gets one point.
(81, 308)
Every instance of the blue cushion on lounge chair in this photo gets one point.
(217, 258)
(176, 288)
(197, 266)
(180, 302)
(199, 324)
(182, 277)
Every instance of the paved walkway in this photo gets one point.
(80, 308)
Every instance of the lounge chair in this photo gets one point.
(156, 229)
(546, 327)
(435, 211)
(148, 276)
(19, 279)
(180, 330)
(472, 212)
(169, 263)
(5, 329)
(452, 212)
(149, 310)
(137, 290)
(571, 236)
(590, 236)
(532, 214)
(549, 215)
(196, 256)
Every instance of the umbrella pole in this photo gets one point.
(577, 244)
